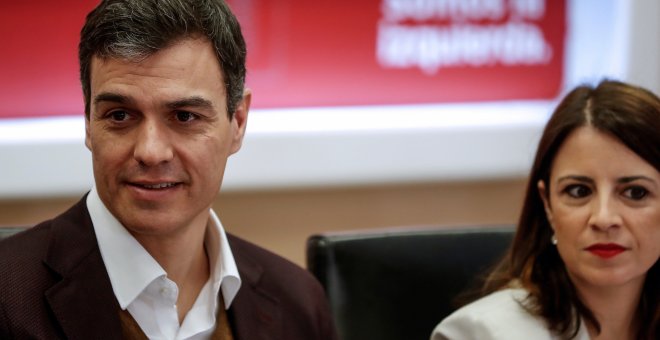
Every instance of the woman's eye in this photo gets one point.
(635, 192)
(184, 116)
(577, 191)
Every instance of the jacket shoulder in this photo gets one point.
(24, 250)
(29, 248)
(267, 268)
(23, 281)
(269, 279)
(500, 315)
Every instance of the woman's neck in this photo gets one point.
(615, 309)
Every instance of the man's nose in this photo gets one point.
(152, 145)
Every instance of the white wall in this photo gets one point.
(643, 67)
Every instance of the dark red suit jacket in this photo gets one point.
(54, 285)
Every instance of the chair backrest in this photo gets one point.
(397, 284)
(9, 231)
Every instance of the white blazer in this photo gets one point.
(497, 316)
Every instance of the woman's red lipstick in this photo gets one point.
(606, 250)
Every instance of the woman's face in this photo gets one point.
(603, 202)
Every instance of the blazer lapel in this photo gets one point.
(83, 301)
(254, 314)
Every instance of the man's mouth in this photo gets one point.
(156, 186)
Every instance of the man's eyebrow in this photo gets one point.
(195, 101)
(112, 97)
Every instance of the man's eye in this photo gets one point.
(119, 116)
(635, 193)
(577, 191)
(184, 116)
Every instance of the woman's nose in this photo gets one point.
(604, 213)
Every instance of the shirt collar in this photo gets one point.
(224, 274)
(131, 268)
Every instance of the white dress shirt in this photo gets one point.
(498, 316)
(141, 285)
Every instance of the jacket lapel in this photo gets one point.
(82, 301)
(254, 314)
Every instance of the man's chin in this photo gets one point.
(155, 222)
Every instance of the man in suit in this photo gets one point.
(143, 255)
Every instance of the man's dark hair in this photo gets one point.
(136, 29)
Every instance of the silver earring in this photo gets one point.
(553, 239)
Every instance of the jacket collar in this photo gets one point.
(255, 312)
(82, 300)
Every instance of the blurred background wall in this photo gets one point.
(453, 151)
(281, 220)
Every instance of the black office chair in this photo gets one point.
(397, 284)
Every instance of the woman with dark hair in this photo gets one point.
(584, 261)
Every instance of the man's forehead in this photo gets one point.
(191, 49)
(191, 61)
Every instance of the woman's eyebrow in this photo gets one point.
(576, 178)
(629, 179)
(621, 180)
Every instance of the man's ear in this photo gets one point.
(88, 141)
(239, 120)
(545, 197)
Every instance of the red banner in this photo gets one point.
(39, 59)
(323, 52)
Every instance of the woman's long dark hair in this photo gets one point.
(631, 115)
